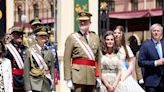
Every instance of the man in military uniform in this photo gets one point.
(30, 39)
(39, 61)
(81, 57)
(15, 52)
(35, 23)
(50, 44)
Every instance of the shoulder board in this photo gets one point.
(92, 32)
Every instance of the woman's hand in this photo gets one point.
(110, 88)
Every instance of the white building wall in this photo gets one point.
(93, 8)
(9, 13)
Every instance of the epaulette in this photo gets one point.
(92, 32)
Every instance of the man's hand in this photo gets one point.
(70, 84)
(98, 82)
(159, 62)
(29, 91)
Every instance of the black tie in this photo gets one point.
(85, 36)
(42, 52)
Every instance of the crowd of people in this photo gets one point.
(29, 62)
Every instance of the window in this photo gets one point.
(159, 3)
(134, 4)
(36, 10)
(20, 12)
(111, 5)
(52, 9)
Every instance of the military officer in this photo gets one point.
(50, 44)
(16, 52)
(30, 38)
(36, 22)
(39, 61)
(81, 57)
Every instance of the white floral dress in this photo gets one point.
(110, 67)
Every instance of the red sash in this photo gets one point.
(85, 61)
(17, 71)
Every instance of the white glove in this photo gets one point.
(53, 91)
(70, 84)
(141, 81)
(29, 91)
(98, 82)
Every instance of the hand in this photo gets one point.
(141, 81)
(53, 91)
(98, 82)
(110, 88)
(159, 62)
(29, 91)
(70, 84)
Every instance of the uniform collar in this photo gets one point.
(39, 48)
(82, 32)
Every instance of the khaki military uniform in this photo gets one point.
(38, 82)
(80, 74)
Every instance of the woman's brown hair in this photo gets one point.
(2, 50)
(123, 42)
(104, 47)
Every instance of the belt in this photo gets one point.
(85, 61)
(17, 71)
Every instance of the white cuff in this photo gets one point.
(29, 91)
(155, 63)
(70, 84)
(141, 81)
(98, 82)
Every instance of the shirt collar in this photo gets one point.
(83, 32)
(155, 41)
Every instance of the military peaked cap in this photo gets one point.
(41, 30)
(84, 16)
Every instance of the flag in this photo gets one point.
(79, 6)
(2, 18)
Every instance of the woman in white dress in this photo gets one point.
(128, 76)
(5, 71)
(110, 66)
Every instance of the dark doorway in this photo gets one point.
(134, 44)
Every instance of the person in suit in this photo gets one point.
(81, 56)
(39, 61)
(5, 71)
(15, 53)
(151, 60)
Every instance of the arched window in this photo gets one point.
(20, 12)
(36, 10)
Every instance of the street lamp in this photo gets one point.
(103, 16)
